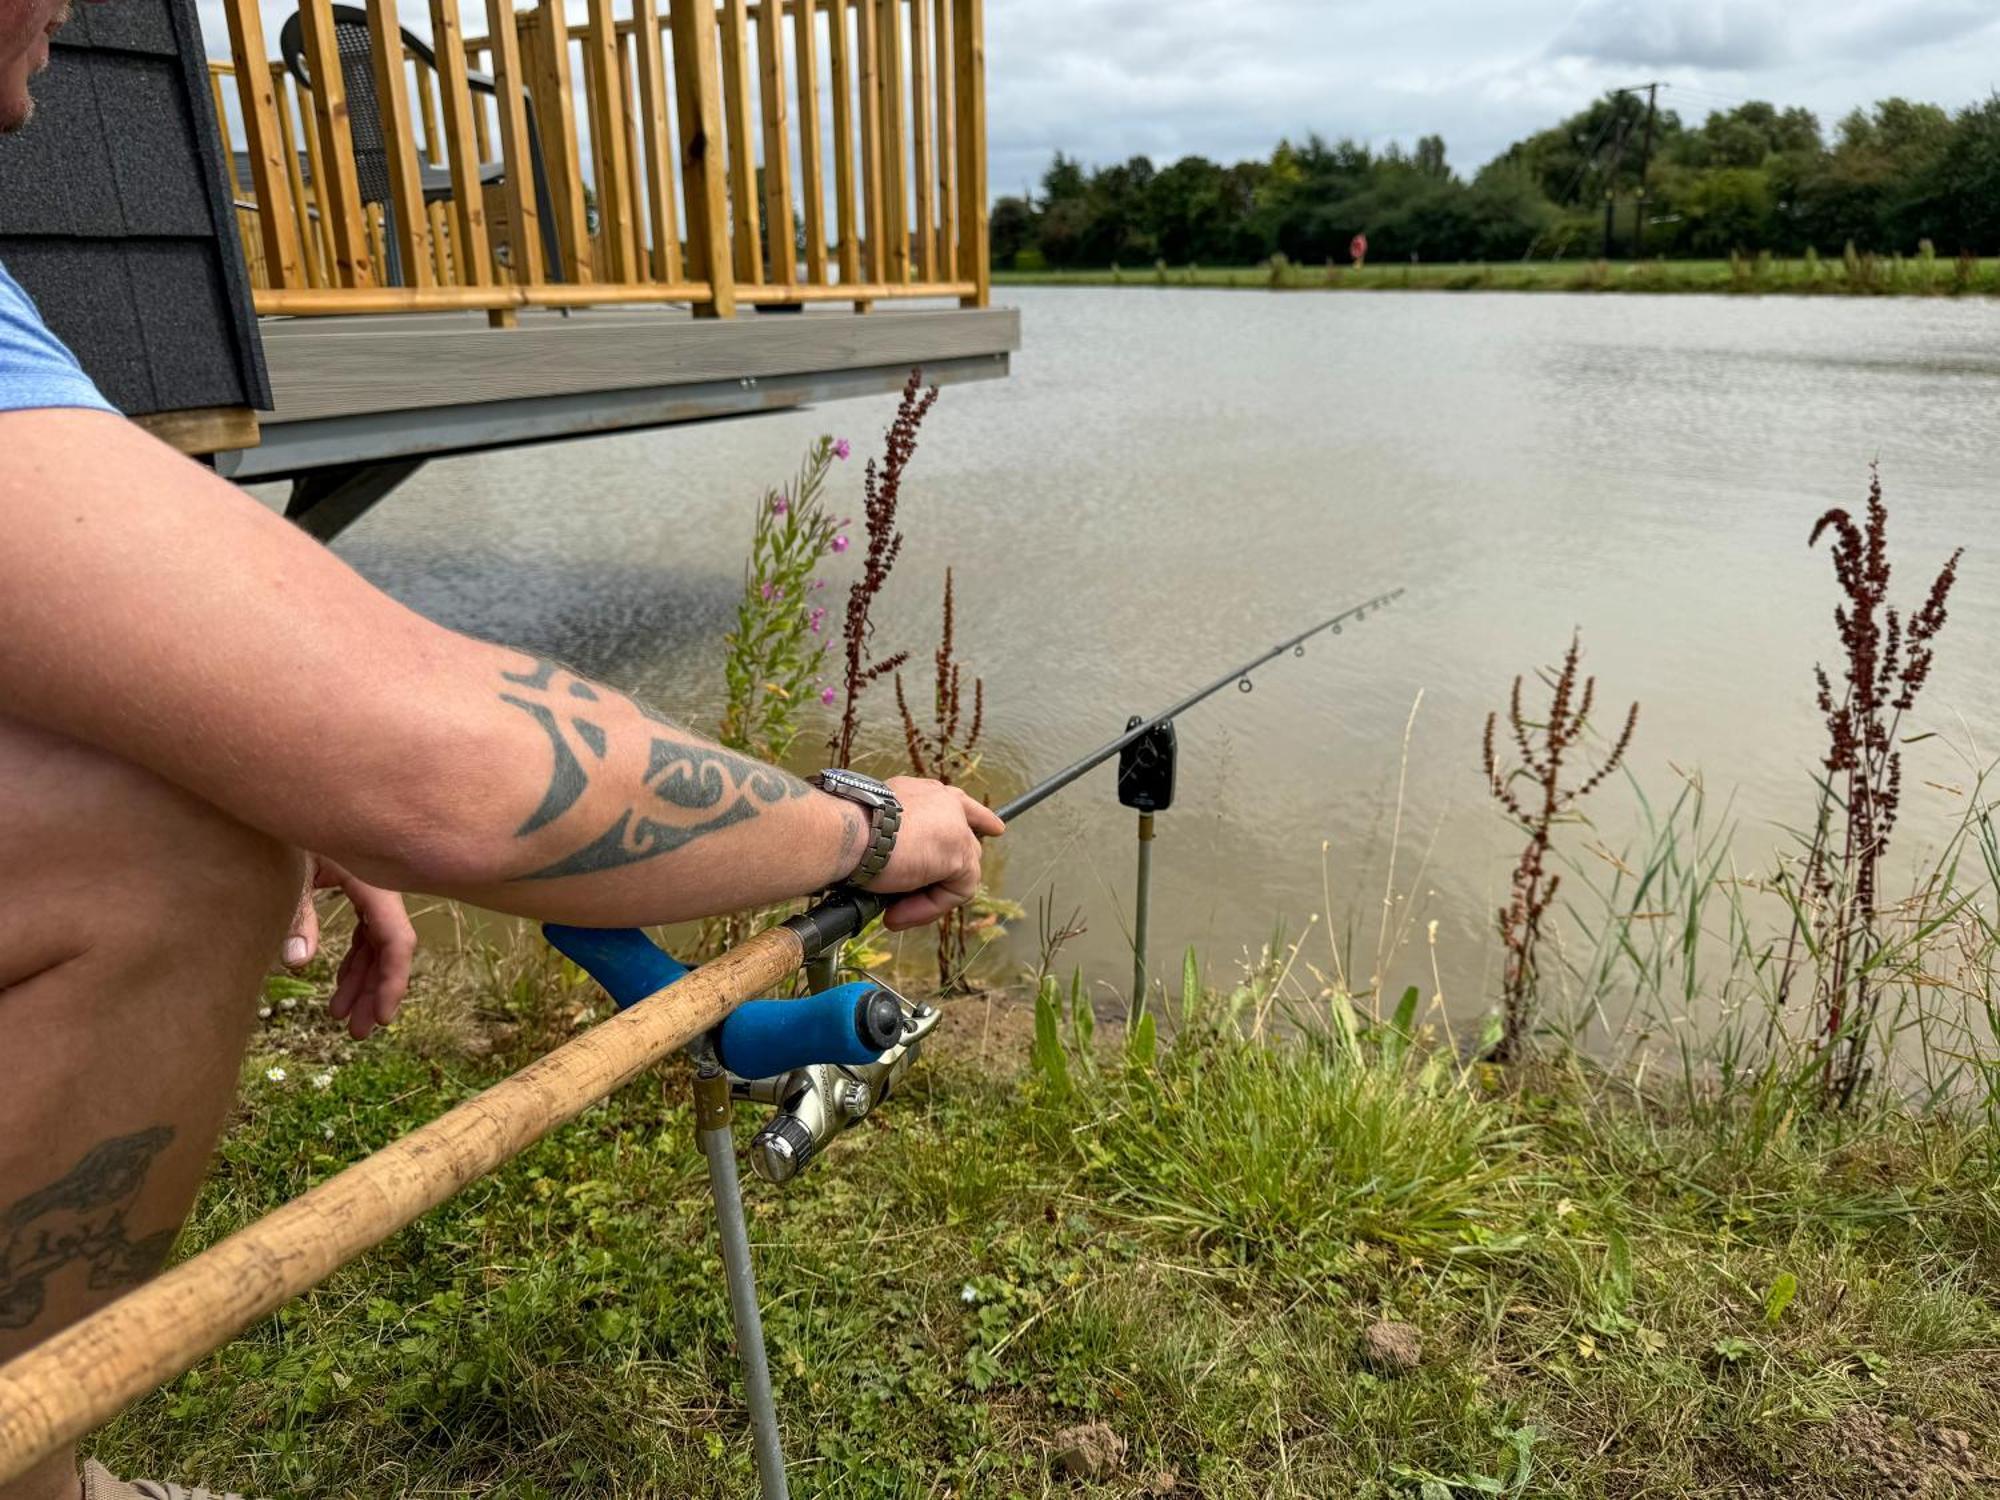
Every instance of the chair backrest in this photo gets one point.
(357, 76)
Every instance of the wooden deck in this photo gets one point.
(362, 401)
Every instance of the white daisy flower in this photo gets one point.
(323, 1080)
(276, 1075)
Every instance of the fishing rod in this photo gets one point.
(80, 1377)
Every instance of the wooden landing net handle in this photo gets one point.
(93, 1369)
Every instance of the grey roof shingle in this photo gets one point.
(115, 214)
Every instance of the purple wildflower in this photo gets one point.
(840, 544)
(827, 695)
(779, 505)
(840, 448)
(767, 592)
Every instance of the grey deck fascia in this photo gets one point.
(371, 389)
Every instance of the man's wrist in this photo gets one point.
(849, 834)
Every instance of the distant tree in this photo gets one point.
(1751, 177)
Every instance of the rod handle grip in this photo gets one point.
(851, 1023)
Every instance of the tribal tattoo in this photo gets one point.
(686, 790)
(80, 1218)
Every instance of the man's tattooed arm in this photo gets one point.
(667, 789)
(79, 1219)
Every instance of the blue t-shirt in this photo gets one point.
(35, 368)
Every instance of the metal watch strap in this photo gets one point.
(883, 822)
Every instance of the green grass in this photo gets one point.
(1865, 275)
(1187, 1248)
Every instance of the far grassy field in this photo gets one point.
(1860, 276)
(1206, 1252)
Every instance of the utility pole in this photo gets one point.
(1645, 160)
(1611, 177)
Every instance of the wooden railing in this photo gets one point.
(713, 154)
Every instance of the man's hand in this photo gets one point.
(934, 867)
(375, 975)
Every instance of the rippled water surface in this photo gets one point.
(1172, 479)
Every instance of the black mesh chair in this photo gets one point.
(371, 147)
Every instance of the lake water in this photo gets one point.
(1173, 479)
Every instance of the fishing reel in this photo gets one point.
(817, 1102)
(825, 1060)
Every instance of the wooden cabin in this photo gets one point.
(439, 231)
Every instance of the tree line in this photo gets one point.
(1750, 178)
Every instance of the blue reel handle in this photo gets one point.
(760, 1038)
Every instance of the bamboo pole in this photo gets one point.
(269, 148)
(85, 1374)
(846, 221)
(524, 212)
(406, 183)
(745, 235)
(652, 112)
(812, 186)
(975, 264)
(698, 100)
(783, 259)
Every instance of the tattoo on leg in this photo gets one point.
(680, 778)
(81, 1217)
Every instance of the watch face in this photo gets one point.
(855, 786)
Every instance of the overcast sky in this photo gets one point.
(1105, 79)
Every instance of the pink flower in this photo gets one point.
(818, 584)
(826, 696)
(840, 544)
(840, 448)
(779, 505)
(767, 592)
(815, 620)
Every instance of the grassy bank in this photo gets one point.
(1866, 275)
(1608, 1296)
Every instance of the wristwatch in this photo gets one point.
(885, 816)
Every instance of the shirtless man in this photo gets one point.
(192, 694)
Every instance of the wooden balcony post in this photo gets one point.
(608, 141)
(698, 98)
(744, 233)
(406, 184)
(846, 221)
(812, 182)
(545, 40)
(868, 47)
(269, 147)
(895, 155)
(922, 168)
(975, 263)
(338, 184)
(947, 150)
(470, 256)
(659, 154)
(524, 212)
(310, 259)
(774, 89)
